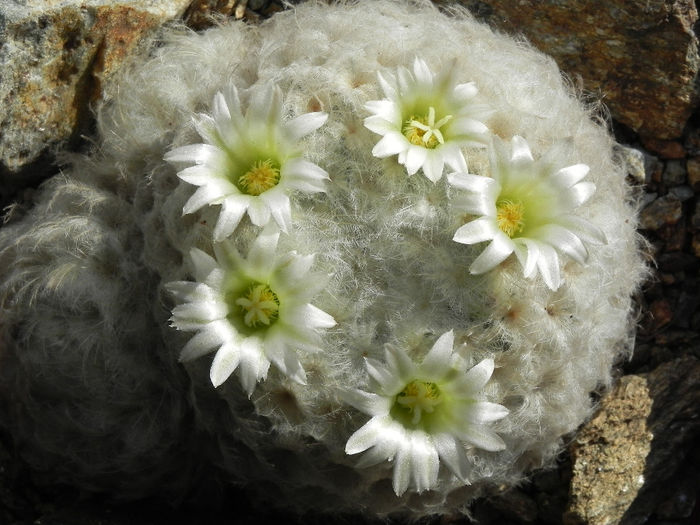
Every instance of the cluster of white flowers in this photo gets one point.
(255, 311)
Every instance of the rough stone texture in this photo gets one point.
(609, 456)
(641, 57)
(664, 210)
(623, 458)
(694, 173)
(200, 13)
(54, 57)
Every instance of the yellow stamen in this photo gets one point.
(510, 217)
(260, 306)
(419, 397)
(262, 176)
(424, 131)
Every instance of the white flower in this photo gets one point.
(252, 310)
(249, 163)
(424, 413)
(526, 207)
(426, 119)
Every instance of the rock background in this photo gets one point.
(636, 461)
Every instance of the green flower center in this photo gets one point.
(262, 176)
(424, 131)
(510, 216)
(418, 398)
(259, 306)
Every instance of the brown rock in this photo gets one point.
(642, 57)
(667, 149)
(664, 210)
(625, 458)
(56, 58)
(695, 219)
(660, 314)
(693, 168)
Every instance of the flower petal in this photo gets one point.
(209, 194)
(475, 183)
(232, 210)
(463, 92)
(366, 402)
(366, 436)
(302, 125)
(415, 158)
(451, 451)
(398, 361)
(485, 412)
(259, 212)
(200, 311)
(389, 382)
(293, 270)
(253, 364)
(202, 343)
(496, 252)
(309, 316)
(198, 175)
(422, 72)
(479, 230)
(564, 241)
(284, 359)
(548, 265)
(437, 362)
(202, 264)
(278, 204)
(195, 153)
(468, 127)
(528, 252)
(567, 177)
(482, 437)
(578, 194)
(474, 380)
(583, 229)
(390, 144)
(225, 362)
(402, 469)
(521, 151)
(433, 166)
(261, 255)
(382, 110)
(424, 461)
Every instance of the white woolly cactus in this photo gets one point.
(242, 205)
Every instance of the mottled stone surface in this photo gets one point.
(624, 457)
(609, 456)
(54, 57)
(640, 57)
(664, 210)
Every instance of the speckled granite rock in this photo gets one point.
(624, 457)
(642, 57)
(53, 59)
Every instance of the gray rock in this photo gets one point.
(641, 57)
(674, 173)
(634, 159)
(682, 193)
(626, 458)
(54, 57)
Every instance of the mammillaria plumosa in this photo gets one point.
(401, 380)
